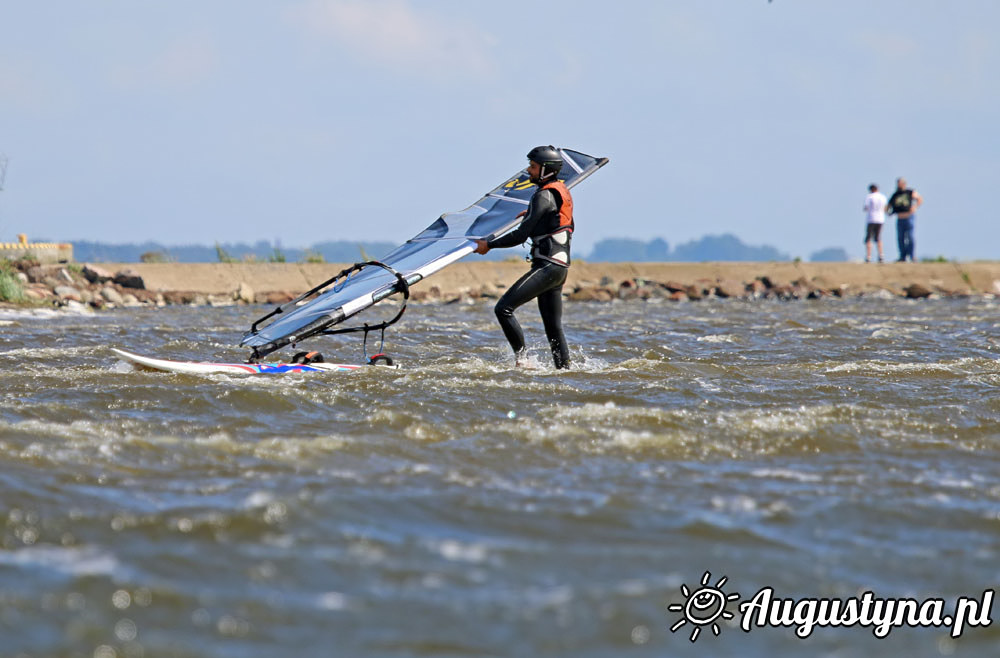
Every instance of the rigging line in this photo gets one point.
(338, 288)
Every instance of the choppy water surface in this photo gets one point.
(460, 507)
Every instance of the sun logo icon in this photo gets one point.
(703, 606)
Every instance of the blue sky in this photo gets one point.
(305, 121)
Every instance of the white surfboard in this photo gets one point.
(207, 368)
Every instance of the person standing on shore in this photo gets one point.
(548, 222)
(874, 208)
(904, 203)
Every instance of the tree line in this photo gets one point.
(725, 247)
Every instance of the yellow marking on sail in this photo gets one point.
(517, 184)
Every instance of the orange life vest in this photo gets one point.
(554, 246)
(565, 208)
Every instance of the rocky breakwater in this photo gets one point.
(681, 282)
(762, 287)
(70, 285)
(140, 284)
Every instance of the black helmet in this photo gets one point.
(549, 159)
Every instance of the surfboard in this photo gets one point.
(207, 368)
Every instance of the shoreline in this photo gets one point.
(128, 284)
(222, 278)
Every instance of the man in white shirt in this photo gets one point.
(875, 204)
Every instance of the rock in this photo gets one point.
(783, 291)
(112, 296)
(36, 274)
(591, 294)
(626, 291)
(41, 288)
(678, 296)
(95, 274)
(490, 291)
(67, 293)
(22, 277)
(280, 297)
(179, 297)
(244, 293)
(657, 291)
(129, 279)
(727, 289)
(130, 300)
(145, 296)
(74, 305)
(607, 282)
(693, 292)
(882, 293)
(756, 288)
(917, 291)
(673, 286)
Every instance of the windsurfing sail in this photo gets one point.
(445, 241)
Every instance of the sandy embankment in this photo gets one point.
(725, 279)
(133, 284)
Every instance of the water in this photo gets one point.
(460, 507)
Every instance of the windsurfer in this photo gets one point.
(548, 222)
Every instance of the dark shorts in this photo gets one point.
(873, 233)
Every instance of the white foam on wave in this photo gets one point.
(706, 385)
(613, 412)
(965, 365)
(457, 551)
(72, 561)
(332, 601)
(87, 430)
(75, 310)
(597, 426)
(717, 338)
(258, 499)
(85, 441)
(801, 420)
(603, 427)
(36, 353)
(537, 361)
(785, 474)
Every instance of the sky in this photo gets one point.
(304, 121)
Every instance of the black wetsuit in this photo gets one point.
(544, 280)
